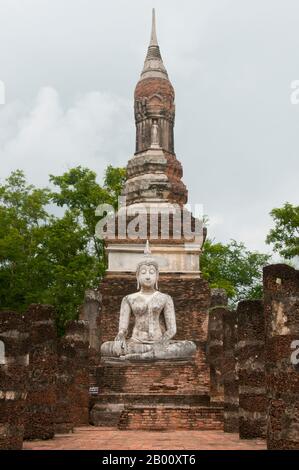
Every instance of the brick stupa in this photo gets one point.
(162, 394)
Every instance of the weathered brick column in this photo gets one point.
(13, 379)
(281, 300)
(251, 369)
(41, 399)
(230, 377)
(77, 337)
(65, 379)
(90, 312)
(215, 353)
(218, 298)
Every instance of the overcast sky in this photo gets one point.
(70, 68)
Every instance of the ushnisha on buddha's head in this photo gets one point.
(147, 272)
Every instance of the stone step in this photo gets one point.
(157, 417)
(149, 399)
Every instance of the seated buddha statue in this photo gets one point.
(148, 340)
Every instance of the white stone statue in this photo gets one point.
(148, 342)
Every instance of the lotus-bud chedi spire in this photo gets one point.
(154, 175)
(154, 99)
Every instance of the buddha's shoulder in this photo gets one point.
(157, 295)
(163, 296)
(132, 297)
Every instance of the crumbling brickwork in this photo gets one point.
(215, 353)
(250, 351)
(218, 297)
(160, 377)
(13, 379)
(230, 376)
(65, 384)
(77, 338)
(44, 381)
(41, 398)
(281, 300)
(166, 417)
(90, 312)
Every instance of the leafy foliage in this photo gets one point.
(285, 235)
(49, 259)
(233, 268)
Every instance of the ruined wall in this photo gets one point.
(90, 312)
(13, 379)
(215, 353)
(281, 300)
(41, 398)
(77, 339)
(230, 376)
(44, 381)
(65, 379)
(250, 351)
(218, 297)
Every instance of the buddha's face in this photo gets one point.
(147, 276)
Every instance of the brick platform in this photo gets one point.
(173, 417)
(92, 438)
(157, 395)
(171, 377)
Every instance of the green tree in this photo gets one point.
(285, 235)
(50, 259)
(22, 218)
(78, 189)
(233, 268)
(64, 253)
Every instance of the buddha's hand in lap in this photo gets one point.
(120, 344)
(164, 340)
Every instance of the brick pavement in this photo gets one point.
(93, 438)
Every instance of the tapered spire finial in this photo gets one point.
(153, 65)
(154, 41)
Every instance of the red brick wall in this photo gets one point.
(168, 418)
(162, 377)
(77, 336)
(215, 352)
(281, 301)
(230, 376)
(41, 398)
(13, 380)
(250, 350)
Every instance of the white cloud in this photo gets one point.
(236, 131)
(49, 139)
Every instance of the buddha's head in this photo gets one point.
(147, 276)
(147, 272)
